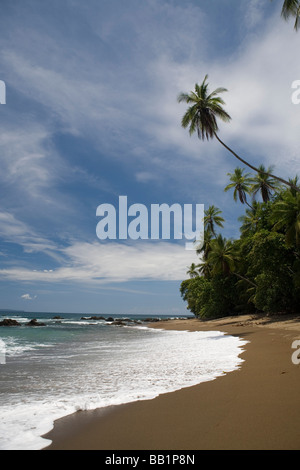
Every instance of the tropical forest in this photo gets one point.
(259, 271)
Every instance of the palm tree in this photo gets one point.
(223, 258)
(205, 247)
(241, 184)
(202, 116)
(205, 268)
(264, 184)
(212, 218)
(295, 182)
(192, 272)
(286, 215)
(291, 8)
(250, 220)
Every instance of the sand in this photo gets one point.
(255, 407)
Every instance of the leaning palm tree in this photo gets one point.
(211, 218)
(202, 115)
(264, 184)
(241, 183)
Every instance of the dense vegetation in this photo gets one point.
(260, 271)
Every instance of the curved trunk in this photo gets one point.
(245, 279)
(256, 169)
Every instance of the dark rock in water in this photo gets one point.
(152, 319)
(109, 319)
(119, 323)
(9, 322)
(57, 317)
(94, 317)
(34, 322)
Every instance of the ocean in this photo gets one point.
(76, 363)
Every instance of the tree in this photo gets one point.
(221, 257)
(291, 8)
(224, 258)
(212, 218)
(250, 220)
(241, 184)
(192, 272)
(206, 245)
(264, 184)
(202, 115)
(286, 215)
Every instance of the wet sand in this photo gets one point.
(254, 407)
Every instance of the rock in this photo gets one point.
(109, 319)
(152, 319)
(119, 323)
(57, 317)
(9, 322)
(34, 322)
(94, 317)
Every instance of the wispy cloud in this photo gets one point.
(111, 263)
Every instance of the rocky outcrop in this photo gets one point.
(34, 322)
(9, 322)
(94, 317)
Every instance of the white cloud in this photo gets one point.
(28, 297)
(113, 262)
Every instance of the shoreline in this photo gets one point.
(254, 407)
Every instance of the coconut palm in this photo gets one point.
(250, 220)
(202, 115)
(205, 246)
(241, 183)
(264, 184)
(295, 182)
(223, 258)
(291, 8)
(286, 215)
(212, 218)
(205, 268)
(192, 271)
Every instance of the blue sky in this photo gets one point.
(91, 114)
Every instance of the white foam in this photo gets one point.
(163, 361)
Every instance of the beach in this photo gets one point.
(252, 408)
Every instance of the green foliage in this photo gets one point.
(260, 271)
(209, 298)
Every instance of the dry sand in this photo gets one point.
(255, 407)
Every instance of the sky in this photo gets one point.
(91, 114)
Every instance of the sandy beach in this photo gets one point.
(255, 407)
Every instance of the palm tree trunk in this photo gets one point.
(245, 279)
(256, 169)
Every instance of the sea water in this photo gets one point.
(73, 363)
